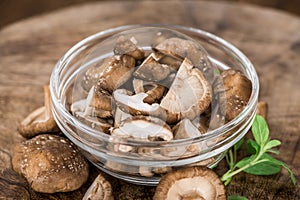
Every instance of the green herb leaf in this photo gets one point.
(274, 151)
(245, 161)
(282, 164)
(252, 147)
(239, 144)
(236, 197)
(271, 144)
(260, 130)
(263, 168)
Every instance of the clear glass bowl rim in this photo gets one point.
(55, 98)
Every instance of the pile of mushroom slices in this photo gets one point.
(165, 94)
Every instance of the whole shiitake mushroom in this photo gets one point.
(50, 164)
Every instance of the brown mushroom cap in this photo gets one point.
(189, 94)
(95, 105)
(50, 164)
(128, 47)
(93, 74)
(190, 183)
(151, 69)
(182, 48)
(40, 120)
(100, 189)
(238, 89)
(118, 70)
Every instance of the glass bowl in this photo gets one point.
(149, 161)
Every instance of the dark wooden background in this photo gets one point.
(13, 10)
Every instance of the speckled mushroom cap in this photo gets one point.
(50, 164)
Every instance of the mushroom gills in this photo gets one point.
(143, 128)
(40, 120)
(134, 104)
(100, 189)
(191, 182)
(189, 94)
(184, 130)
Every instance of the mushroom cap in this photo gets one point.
(93, 74)
(100, 189)
(95, 105)
(50, 164)
(40, 120)
(128, 47)
(182, 48)
(189, 94)
(151, 69)
(118, 70)
(143, 128)
(238, 89)
(190, 183)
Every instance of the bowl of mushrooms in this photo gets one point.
(141, 101)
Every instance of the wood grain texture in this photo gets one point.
(29, 50)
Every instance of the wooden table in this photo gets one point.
(271, 39)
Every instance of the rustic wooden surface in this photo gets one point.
(29, 49)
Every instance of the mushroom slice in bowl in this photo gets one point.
(40, 120)
(190, 93)
(134, 104)
(118, 70)
(238, 89)
(155, 91)
(151, 69)
(95, 105)
(128, 47)
(94, 122)
(182, 48)
(143, 128)
(184, 130)
(190, 183)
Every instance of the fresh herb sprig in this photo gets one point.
(260, 162)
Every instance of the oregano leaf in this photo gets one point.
(252, 147)
(236, 197)
(260, 130)
(271, 144)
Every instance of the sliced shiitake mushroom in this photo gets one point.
(190, 183)
(128, 47)
(94, 72)
(151, 69)
(182, 48)
(118, 70)
(155, 91)
(40, 120)
(134, 104)
(120, 116)
(94, 122)
(50, 164)
(143, 128)
(183, 130)
(189, 94)
(100, 189)
(238, 89)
